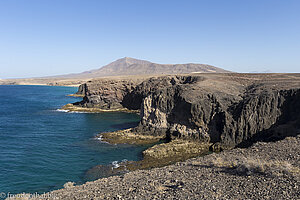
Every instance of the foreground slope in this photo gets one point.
(264, 171)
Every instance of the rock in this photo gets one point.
(82, 89)
(176, 148)
(206, 177)
(105, 93)
(227, 109)
(152, 116)
(216, 147)
(128, 136)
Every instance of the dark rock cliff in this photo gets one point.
(82, 89)
(225, 109)
(105, 94)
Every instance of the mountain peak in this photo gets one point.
(131, 66)
(128, 61)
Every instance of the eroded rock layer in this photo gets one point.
(224, 109)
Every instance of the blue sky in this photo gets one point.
(49, 37)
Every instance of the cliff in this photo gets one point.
(107, 93)
(227, 110)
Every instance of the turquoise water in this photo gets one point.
(42, 148)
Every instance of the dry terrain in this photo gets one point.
(263, 171)
(195, 114)
(120, 68)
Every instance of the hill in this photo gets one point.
(121, 67)
(131, 66)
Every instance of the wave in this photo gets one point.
(68, 111)
(61, 110)
(117, 164)
(100, 139)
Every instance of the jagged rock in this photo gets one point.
(152, 116)
(82, 89)
(181, 131)
(105, 93)
(227, 109)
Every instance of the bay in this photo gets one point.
(42, 148)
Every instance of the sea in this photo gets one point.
(42, 148)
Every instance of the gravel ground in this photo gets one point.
(263, 171)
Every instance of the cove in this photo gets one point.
(42, 148)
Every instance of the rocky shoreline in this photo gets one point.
(263, 171)
(128, 136)
(227, 110)
(196, 114)
(74, 108)
(160, 152)
(187, 116)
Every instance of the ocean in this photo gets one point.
(42, 148)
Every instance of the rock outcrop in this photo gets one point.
(82, 89)
(227, 110)
(105, 93)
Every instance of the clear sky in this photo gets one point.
(50, 37)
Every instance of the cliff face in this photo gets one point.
(105, 93)
(82, 89)
(225, 109)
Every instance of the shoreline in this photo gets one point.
(75, 95)
(45, 81)
(262, 171)
(236, 110)
(215, 118)
(38, 84)
(73, 108)
(161, 152)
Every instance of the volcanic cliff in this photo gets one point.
(226, 110)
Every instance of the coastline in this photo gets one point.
(160, 152)
(263, 171)
(181, 140)
(73, 108)
(75, 95)
(183, 126)
(39, 84)
(45, 82)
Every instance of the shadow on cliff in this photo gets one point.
(288, 123)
